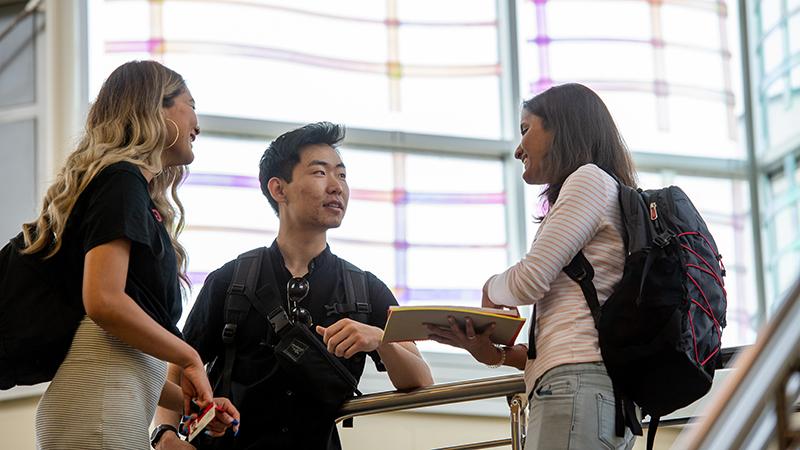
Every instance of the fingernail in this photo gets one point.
(184, 418)
(235, 422)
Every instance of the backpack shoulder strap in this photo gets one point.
(356, 305)
(580, 270)
(651, 431)
(267, 301)
(237, 305)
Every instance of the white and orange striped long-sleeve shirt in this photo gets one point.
(586, 216)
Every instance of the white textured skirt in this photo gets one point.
(103, 396)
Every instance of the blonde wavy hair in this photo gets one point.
(125, 123)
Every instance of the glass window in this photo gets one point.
(666, 71)
(770, 12)
(533, 209)
(782, 226)
(404, 65)
(724, 205)
(431, 227)
(777, 67)
(793, 28)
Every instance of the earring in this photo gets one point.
(177, 132)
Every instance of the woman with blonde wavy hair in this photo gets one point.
(114, 214)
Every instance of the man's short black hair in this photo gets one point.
(284, 152)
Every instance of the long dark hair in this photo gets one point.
(583, 132)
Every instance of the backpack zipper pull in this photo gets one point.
(663, 237)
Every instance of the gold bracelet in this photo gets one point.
(502, 358)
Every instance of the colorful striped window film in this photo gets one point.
(410, 65)
(667, 69)
(433, 228)
(777, 74)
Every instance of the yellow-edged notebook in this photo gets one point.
(406, 323)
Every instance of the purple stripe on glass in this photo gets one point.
(197, 48)
(397, 196)
(399, 245)
(654, 42)
(404, 295)
(344, 18)
(153, 45)
(210, 179)
(657, 87)
(544, 49)
(451, 198)
(197, 278)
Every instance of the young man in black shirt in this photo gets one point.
(304, 180)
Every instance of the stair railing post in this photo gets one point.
(517, 404)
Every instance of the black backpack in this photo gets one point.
(37, 319)
(243, 299)
(298, 351)
(660, 331)
(318, 368)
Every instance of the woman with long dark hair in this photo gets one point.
(570, 144)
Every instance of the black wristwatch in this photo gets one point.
(159, 431)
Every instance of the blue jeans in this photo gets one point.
(572, 407)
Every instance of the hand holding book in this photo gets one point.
(408, 323)
(479, 345)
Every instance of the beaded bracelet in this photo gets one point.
(502, 358)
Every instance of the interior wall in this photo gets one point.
(16, 423)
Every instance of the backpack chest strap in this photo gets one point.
(348, 308)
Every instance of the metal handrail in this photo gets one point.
(510, 386)
(441, 394)
(751, 408)
(456, 392)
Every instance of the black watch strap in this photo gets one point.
(159, 431)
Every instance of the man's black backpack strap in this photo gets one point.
(237, 304)
(356, 306)
(316, 367)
